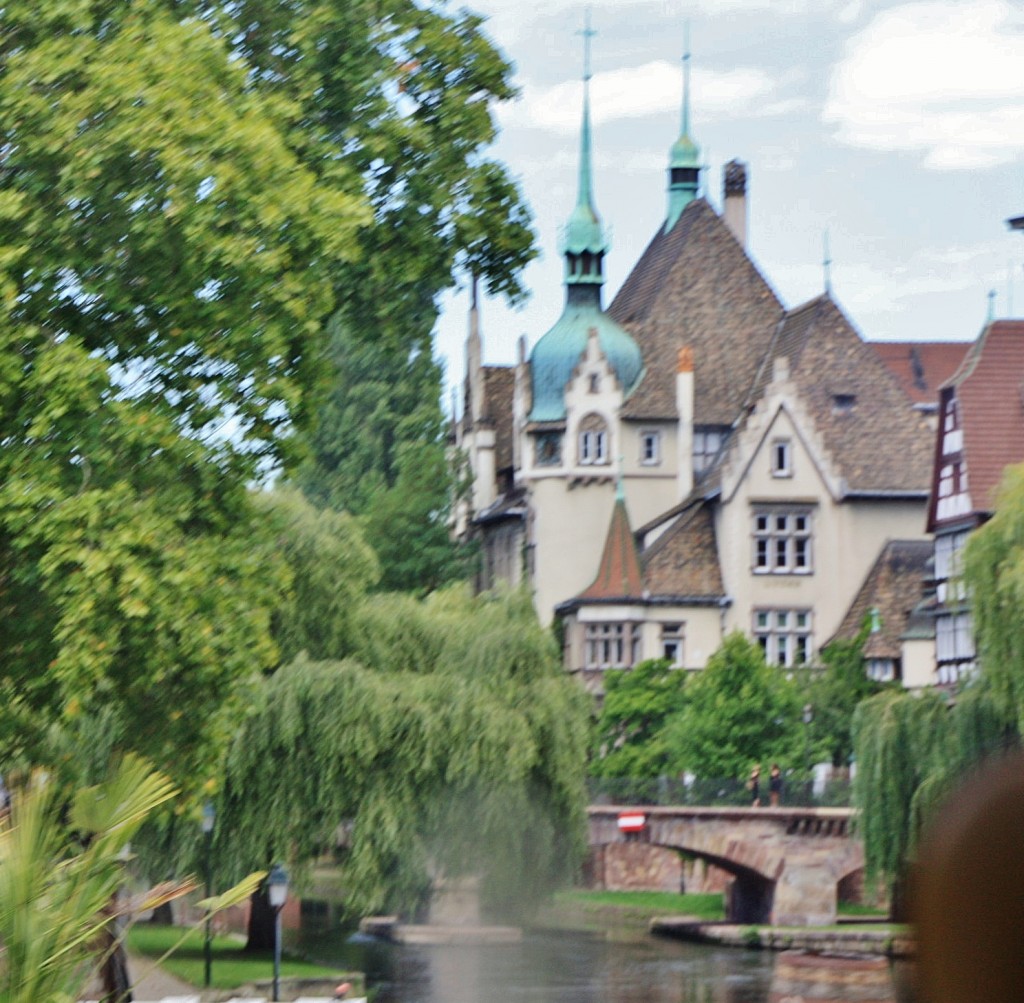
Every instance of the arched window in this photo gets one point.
(594, 446)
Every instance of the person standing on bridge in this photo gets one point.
(774, 785)
(754, 785)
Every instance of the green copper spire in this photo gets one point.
(583, 242)
(684, 156)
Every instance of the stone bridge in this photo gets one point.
(787, 863)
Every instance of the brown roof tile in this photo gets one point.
(921, 367)
(618, 576)
(855, 401)
(499, 385)
(894, 587)
(683, 562)
(990, 389)
(695, 286)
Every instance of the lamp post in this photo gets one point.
(808, 717)
(277, 890)
(209, 815)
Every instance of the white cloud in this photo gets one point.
(940, 79)
(651, 89)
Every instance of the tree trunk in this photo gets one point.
(261, 922)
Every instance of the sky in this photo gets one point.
(895, 127)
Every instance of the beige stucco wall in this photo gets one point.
(847, 534)
(918, 663)
(702, 630)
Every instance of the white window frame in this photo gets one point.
(650, 448)
(611, 645)
(673, 637)
(782, 541)
(593, 447)
(706, 444)
(785, 635)
(782, 458)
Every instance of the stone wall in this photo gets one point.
(634, 867)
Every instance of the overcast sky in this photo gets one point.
(898, 127)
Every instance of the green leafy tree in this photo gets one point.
(167, 262)
(450, 743)
(993, 571)
(331, 569)
(900, 741)
(630, 736)
(834, 693)
(738, 711)
(378, 452)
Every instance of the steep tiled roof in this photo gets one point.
(499, 384)
(853, 399)
(695, 286)
(893, 587)
(683, 562)
(990, 389)
(618, 576)
(921, 367)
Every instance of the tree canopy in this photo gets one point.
(187, 191)
(993, 569)
(378, 451)
(738, 711)
(630, 736)
(452, 743)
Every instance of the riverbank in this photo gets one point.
(889, 939)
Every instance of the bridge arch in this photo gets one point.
(787, 863)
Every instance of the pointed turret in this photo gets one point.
(584, 244)
(619, 575)
(684, 156)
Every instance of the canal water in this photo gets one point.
(556, 967)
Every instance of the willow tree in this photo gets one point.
(993, 571)
(450, 744)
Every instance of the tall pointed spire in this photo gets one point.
(684, 156)
(584, 244)
(826, 263)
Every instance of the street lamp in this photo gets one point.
(209, 815)
(808, 716)
(277, 890)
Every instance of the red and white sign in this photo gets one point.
(632, 821)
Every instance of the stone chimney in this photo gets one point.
(734, 199)
(684, 405)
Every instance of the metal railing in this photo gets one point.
(797, 792)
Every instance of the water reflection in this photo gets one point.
(559, 968)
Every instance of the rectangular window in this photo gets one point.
(707, 442)
(782, 458)
(784, 635)
(672, 643)
(611, 645)
(782, 542)
(650, 448)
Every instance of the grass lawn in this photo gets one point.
(231, 965)
(704, 907)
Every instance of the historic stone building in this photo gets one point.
(696, 458)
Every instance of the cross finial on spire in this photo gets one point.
(826, 264)
(991, 305)
(686, 80)
(620, 480)
(588, 33)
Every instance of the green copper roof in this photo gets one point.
(583, 231)
(556, 356)
(683, 157)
